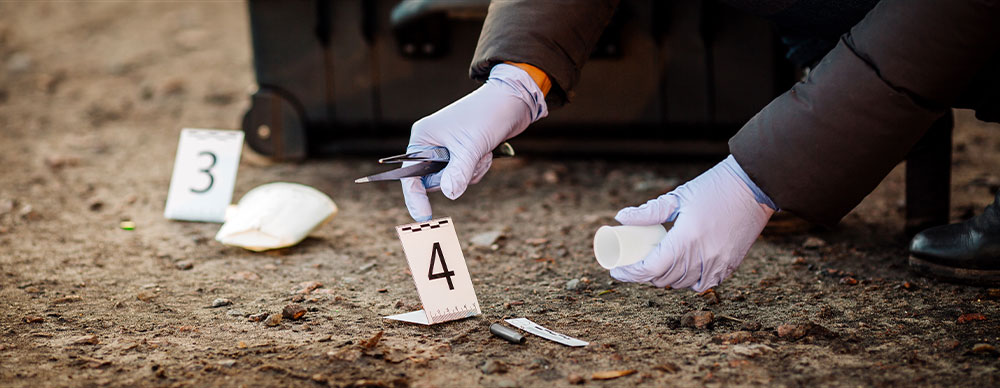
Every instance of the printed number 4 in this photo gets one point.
(207, 171)
(445, 273)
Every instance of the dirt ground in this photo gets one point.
(92, 99)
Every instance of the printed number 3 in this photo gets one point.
(445, 273)
(207, 171)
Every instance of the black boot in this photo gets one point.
(967, 252)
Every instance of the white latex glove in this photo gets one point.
(470, 129)
(717, 217)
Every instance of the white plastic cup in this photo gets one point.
(615, 246)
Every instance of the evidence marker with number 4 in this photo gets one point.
(439, 272)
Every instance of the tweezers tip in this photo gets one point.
(361, 180)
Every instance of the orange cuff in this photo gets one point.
(541, 79)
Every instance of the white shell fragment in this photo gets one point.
(275, 215)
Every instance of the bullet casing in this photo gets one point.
(506, 333)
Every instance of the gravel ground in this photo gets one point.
(92, 99)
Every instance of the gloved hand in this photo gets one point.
(717, 217)
(470, 129)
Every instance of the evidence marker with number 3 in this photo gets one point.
(201, 186)
(439, 272)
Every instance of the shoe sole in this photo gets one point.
(972, 277)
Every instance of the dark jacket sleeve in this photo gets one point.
(820, 148)
(556, 36)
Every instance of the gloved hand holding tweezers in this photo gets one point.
(468, 130)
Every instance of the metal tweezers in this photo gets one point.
(428, 162)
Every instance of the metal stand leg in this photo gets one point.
(928, 178)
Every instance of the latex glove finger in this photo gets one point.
(415, 196)
(458, 174)
(481, 168)
(432, 182)
(655, 211)
(709, 282)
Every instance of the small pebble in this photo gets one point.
(220, 302)
(293, 312)
(573, 284)
(983, 348)
(697, 319)
(494, 367)
(793, 332)
(29, 213)
(184, 265)
(173, 87)
(306, 288)
(612, 374)
(536, 241)
(486, 239)
(226, 363)
(813, 243)
(272, 320)
(235, 313)
(966, 318)
(257, 317)
(146, 296)
(85, 340)
(710, 296)
(576, 379)
(736, 337)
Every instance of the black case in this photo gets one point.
(351, 76)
